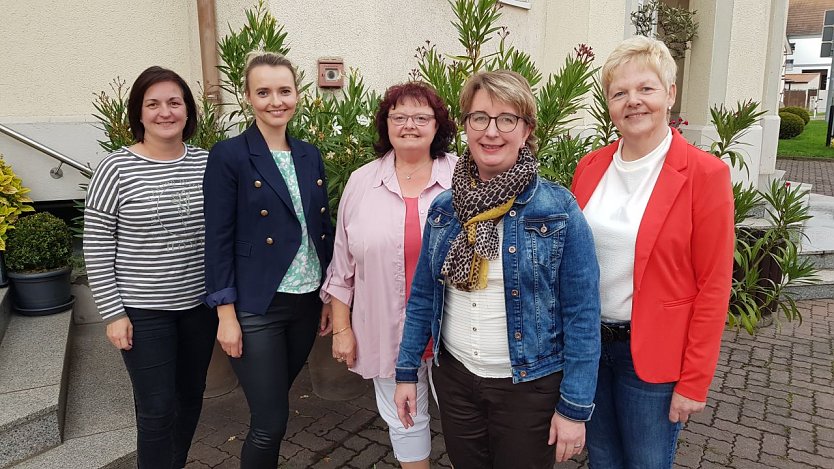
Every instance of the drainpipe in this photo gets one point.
(208, 49)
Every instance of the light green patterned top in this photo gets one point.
(304, 274)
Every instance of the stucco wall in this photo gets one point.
(57, 54)
(748, 54)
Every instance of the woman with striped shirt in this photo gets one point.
(143, 245)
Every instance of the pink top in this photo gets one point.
(413, 240)
(369, 260)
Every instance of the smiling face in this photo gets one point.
(409, 136)
(272, 94)
(494, 151)
(638, 103)
(163, 112)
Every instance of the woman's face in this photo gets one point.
(164, 112)
(272, 94)
(638, 102)
(411, 135)
(494, 151)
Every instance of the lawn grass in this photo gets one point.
(810, 143)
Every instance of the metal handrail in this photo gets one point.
(63, 159)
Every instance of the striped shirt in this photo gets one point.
(144, 233)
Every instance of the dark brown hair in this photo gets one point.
(423, 94)
(151, 76)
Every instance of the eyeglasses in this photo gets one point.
(505, 122)
(418, 119)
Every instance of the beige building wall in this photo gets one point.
(57, 54)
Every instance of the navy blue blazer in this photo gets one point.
(252, 233)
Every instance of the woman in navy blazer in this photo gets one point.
(268, 239)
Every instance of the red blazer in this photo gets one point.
(683, 262)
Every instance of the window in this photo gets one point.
(792, 46)
(823, 76)
(789, 64)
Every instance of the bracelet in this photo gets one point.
(341, 330)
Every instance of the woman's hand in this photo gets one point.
(228, 331)
(405, 397)
(682, 407)
(120, 333)
(344, 347)
(326, 324)
(568, 435)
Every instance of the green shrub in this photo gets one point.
(39, 242)
(13, 200)
(799, 111)
(790, 126)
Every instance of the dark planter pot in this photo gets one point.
(42, 293)
(330, 379)
(4, 278)
(770, 272)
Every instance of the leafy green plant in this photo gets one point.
(560, 97)
(260, 32)
(111, 114)
(766, 257)
(790, 125)
(731, 125)
(675, 26)
(39, 242)
(13, 200)
(799, 111)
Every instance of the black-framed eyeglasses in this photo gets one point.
(505, 122)
(418, 119)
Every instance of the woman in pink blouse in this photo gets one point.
(378, 237)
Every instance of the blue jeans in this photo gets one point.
(167, 366)
(630, 427)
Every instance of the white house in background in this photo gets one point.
(804, 33)
(802, 89)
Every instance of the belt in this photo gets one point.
(615, 332)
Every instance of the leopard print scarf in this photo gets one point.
(479, 206)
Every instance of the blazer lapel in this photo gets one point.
(665, 192)
(592, 174)
(261, 158)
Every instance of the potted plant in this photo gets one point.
(13, 202)
(38, 256)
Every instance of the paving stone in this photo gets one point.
(208, 455)
(746, 448)
(369, 456)
(776, 445)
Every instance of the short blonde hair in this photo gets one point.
(507, 87)
(272, 59)
(644, 51)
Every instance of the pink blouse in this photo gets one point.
(368, 266)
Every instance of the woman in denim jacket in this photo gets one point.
(507, 286)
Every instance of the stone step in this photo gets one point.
(100, 430)
(33, 356)
(823, 289)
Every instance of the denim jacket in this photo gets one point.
(551, 288)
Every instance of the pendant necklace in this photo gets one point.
(409, 176)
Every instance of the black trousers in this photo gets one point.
(167, 365)
(275, 347)
(493, 423)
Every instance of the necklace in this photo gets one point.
(418, 168)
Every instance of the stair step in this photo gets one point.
(114, 449)
(823, 289)
(100, 429)
(32, 386)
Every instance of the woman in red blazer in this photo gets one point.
(661, 212)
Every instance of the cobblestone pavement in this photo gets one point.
(819, 172)
(771, 406)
